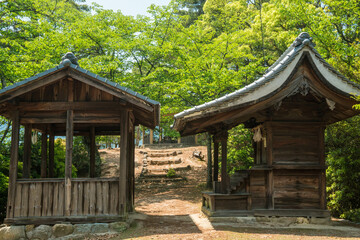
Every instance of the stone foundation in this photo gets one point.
(60, 231)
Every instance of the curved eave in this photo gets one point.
(272, 82)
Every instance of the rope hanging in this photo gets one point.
(34, 136)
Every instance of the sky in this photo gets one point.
(129, 7)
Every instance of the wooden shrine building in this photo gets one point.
(288, 109)
(70, 101)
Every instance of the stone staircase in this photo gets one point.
(239, 181)
(158, 163)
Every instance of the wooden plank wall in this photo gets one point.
(296, 189)
(257, 189)
(91, 197)
(295, 144)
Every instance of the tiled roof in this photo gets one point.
(285, 59)
(65, 64)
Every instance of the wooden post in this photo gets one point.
(68, 159)
(92, 152)
(151, 136)
(13, 164)
(27, 152)
(224, 175)
(51, 152)
(322, 182)
(179, 140)
(143, 136)
(270, 175)
(216, 160)
(44, 154)
(196, 139)
(160, 134)
(209, 163)
(131, 168)
(123, 179)
(138, 136)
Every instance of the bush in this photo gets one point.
(352, 215)
(240, 149)
(343, 173)
(171, 173)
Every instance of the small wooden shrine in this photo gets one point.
(70, 101)
(287, 109)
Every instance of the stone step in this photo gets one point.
(163, 161)
(159, 179)
(162, 154)
(162, 170)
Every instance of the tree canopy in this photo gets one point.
(183, 54)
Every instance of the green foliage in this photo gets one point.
(171, 173)
(352, 215)
(343, 173)
(240, 149)
(81, 157)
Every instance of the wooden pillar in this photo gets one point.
(209, 162)
(68, 159)
(27, 152)
(14, 157)
(92, 152)
(151, 136)
(224, 175)
(269, 158)
(123, 179)
(44, 154)
(322, 175)
(51, 153)
(160, 134)
(143, 136)
(131, 167)
(216, 160)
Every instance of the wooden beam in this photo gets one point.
(123, 184)
(63, 106)
(13, 164)
(68, 160)
(92, 152)
(27, 152)
(51, 152)
(44, 154)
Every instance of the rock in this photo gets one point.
(246, 220)
(119, 226)
(42, 232)
(60, 230)
(100, 228)
(262, 219)
(28, 228)
(82, 228)
(12, 233)
(3, 225)
(302, 220)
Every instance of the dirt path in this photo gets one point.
(171, 210)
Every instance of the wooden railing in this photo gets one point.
(45, 197)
